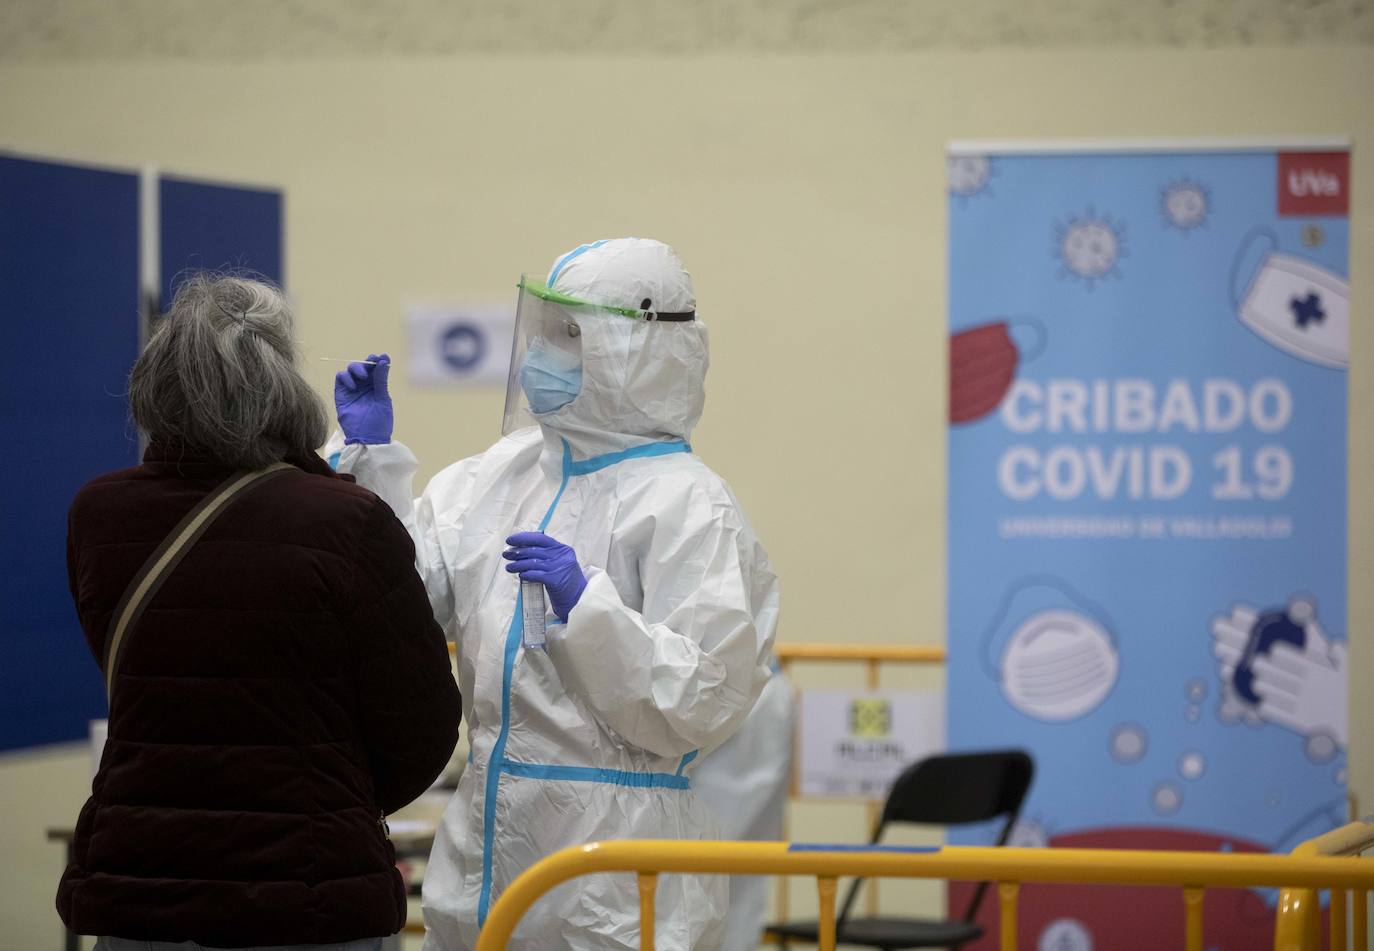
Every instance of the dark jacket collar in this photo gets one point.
(163, 452)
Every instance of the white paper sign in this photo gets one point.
(855, 744)
(455, 345)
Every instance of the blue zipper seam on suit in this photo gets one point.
(498, 763)
(498, 751)
(597, 463)
(591, 774)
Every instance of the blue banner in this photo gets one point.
(1147, 508)
(217, 226)
(69, 280)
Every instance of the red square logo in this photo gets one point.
(1314, 184)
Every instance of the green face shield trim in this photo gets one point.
(544, 292)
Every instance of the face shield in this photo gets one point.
(546, 354)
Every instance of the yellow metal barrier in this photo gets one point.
(1299, 925)
(874, 655)
(1190, 871)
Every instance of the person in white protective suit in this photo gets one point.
(745, 784)
(661, 603)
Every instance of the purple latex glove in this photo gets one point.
(535, 556)
(363, 403)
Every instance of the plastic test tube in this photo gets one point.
(532, 614)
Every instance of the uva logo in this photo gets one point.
(1313, 182)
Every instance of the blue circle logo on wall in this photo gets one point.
(463, 346)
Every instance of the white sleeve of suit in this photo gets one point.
(682, 673)
(389, 471)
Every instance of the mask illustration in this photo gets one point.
(982, 364)
(1058, 659)
(1297, 306)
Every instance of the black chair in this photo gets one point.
(943, 790)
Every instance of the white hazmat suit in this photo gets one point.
(745, 785)
(662, 657)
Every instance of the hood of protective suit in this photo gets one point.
(642, 381)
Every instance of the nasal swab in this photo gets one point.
(371, 363)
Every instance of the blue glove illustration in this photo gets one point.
(363, 403)
(537, 557)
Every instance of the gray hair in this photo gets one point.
(219, 375)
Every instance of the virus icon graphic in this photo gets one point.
(1185, 205)
(1089, 247)
(967, 175)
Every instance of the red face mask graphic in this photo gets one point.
(982, 364)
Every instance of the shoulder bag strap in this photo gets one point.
(168, 555)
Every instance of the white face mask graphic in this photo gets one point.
(1059, 665)
(1051, 650)
(1301, 308)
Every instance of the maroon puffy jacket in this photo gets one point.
(284, 688)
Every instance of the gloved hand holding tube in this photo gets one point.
(363, 402)
(537, 557)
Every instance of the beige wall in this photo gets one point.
(258, 30)
(805, 193)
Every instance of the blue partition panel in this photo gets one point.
(69, 297)
(218, 226)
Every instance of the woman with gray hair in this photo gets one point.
(277, 682)
(220, 376)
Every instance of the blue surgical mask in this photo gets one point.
(550, 377)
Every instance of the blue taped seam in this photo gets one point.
(686, 760)
(498, 751)
(563, 261)
(567, 474)
(497, 763)
(597, 463)
(590, 774)
(824, 847)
